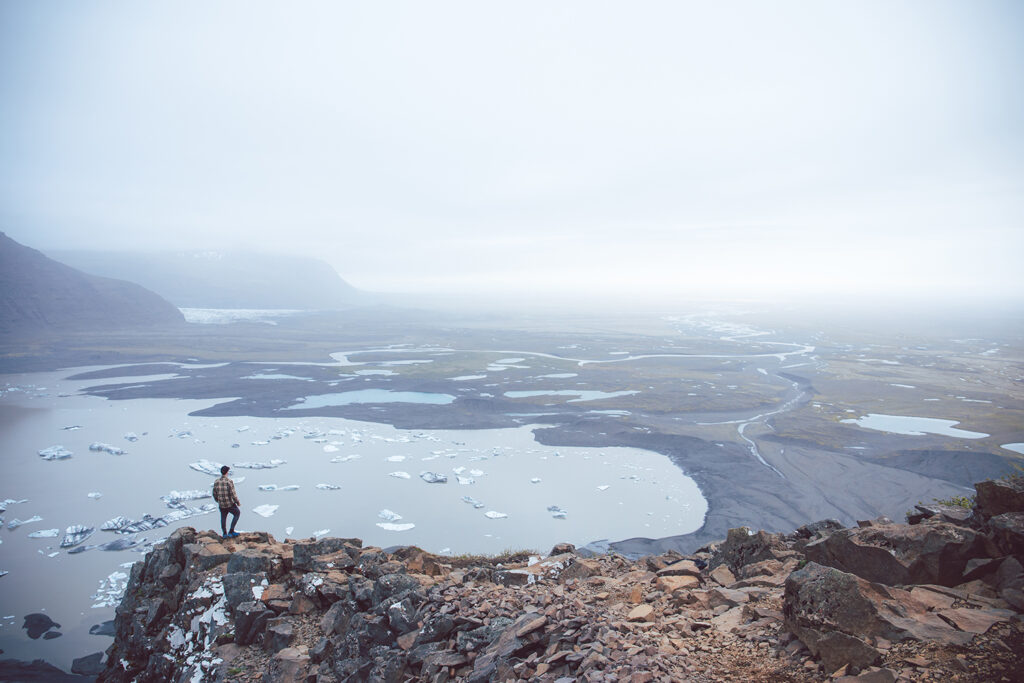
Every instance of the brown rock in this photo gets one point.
(301, 604)
(932, 599)
(682, 567)
(974, 620)
(636, 595)
(722, 575)
(670, 584)
(531, 626)
(641, 613)
(726, 596)
(998, 497)
(870, 676)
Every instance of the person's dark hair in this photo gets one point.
(224, 469)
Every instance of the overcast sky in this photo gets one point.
(697, 148)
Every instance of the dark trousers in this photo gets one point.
(235, 512)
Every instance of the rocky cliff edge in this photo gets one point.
(938, 599)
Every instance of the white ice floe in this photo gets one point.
(399, 475)
(275, 487)
(177, 496)
(495, 515)
(477, 473)
(95, 495)
(75, 534)
(259, 465)
(131, 436)
(396, 458)
(4, 572)
(535, 480)
(100, 447)
(465, 481)
(345, 458)
(330, 448)
(603, 487)
(557, 511)
(15, 523)
(116, 523)
(328, 487)
(389, 515)
(206, 467)
(45, 533)
(71, 428)
(321, 533)
(389, 526)
(433, 478)
(55, 453)
(111, 590)
(458, 470)
(288, 530)
(243, 428)
(265, 510)
(472, 501)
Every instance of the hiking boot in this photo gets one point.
(233, 534)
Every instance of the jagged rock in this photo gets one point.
(722, 575)
(278, 635)
(998, 497)
(839, 615)
(563, 549)
(304, 552)
(238, 587)
(952, 514)
(818, 529)
(1008, 532)
(250, 621)
(671, 584)
(745, 546)
(392, 584)
(321, 651)
(726, 596)
(402, 616)
(435, 628)
(288, 665)
(336, 619)
(874, 675)
(507, 644)
(641, 613)
(682, 567)
(208, 555)
(253, 561)
(90, 665)
(974, 620)
(899, 554)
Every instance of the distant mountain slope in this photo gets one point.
(224, 279)
(38, 292)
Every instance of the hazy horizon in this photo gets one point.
(577, 150)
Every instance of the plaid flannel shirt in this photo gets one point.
(224, 492)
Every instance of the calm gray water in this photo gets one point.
(607, 492)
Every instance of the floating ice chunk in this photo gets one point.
(389, 526)
(433, 478)
(259, 465)
(288, 530)
(321, 533)
(71, 428)
(116, 524)
(75, 534)
(603, 487)
(121, 544)
(206, 467)
(345, 458)
(495, 515)
(55, 453)
(396, 458)
(260, 443)
(265, 510)
(477, 473)
(131, 436)
(472, 501)
(535, 480)
(243, 429)
(95, 495)
(458, 470)
(328, 487)
(399, 475)
(45, 533)
(330, 449)
(465, 481)
(275, 487)
(4, 572)
(557, 511)
(177, 496)
(111, 590)
(389, 516)
(15, 523)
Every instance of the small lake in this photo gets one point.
(580, 394)
(913, 426)
(345, 398)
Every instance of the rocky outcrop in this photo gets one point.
(752, 607)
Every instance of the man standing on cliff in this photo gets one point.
(227, 499)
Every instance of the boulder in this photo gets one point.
(90, 665)
(999, 497)
(899, 554)
(288, 665)
(939, 512)
(840, 616)
(304, 552)
(278, 635)
(486, 666)
(680, 568)
(254, 561)
(745, 546)
(1008, 533)
(250, 620)
(238, 587)
(671, 584)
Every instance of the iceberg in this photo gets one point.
(388, 526)
(15, 523)
(120, 544)
(477, 473)
(45, 533)
(288, 530)
(177, 496)
(465, 481)
(345, 458)
(259, 465)
(472, 501)
(131, 436)
(75, 534)
(71, 428)
(328, 487)
(110, 591)
(399, 475)
(265, 510)
(106, 448)
(389, 516)
(206, 467)
(115, 524)
(603, 487)
(535, 480)
(275, 487)
(395, 458)
(433, 478)
(491, 514)
(95, 495)
(4, 572)
(55, 453)
(558, 512)
(321, 533)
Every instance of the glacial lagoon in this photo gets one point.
(503, 490)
